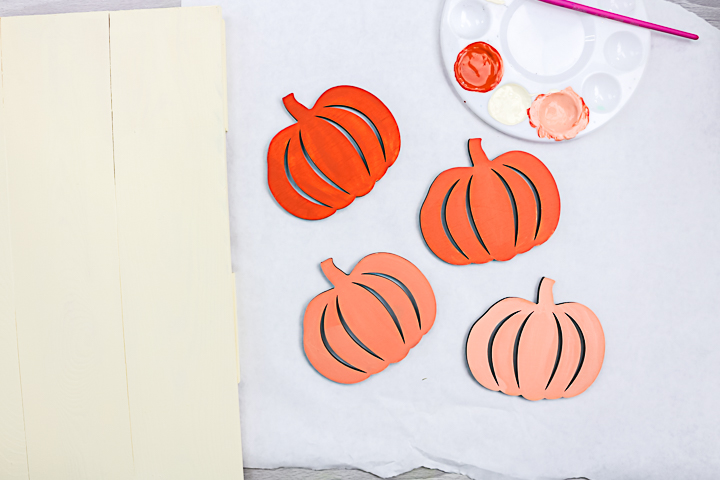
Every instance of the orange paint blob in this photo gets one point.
(479, 67)
(560, 115)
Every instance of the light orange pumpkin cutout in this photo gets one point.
(335, 152)
(538, 350)
(492, 210)
(370, 318)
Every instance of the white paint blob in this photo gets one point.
(509, 103)
(469, 19)
(623, 50)
(601, 92)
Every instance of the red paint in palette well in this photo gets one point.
(479, 67)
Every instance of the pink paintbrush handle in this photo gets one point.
(619, 18)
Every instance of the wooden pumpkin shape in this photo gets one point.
(335, 152)
(538, 350)
(493, 210)
(369, 319)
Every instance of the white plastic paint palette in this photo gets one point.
(547, 48)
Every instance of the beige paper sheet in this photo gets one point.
(13, 454)
(56, 75)
(123, 364)
(169, 128)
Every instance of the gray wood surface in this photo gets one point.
(11, 8)
(305, 474)
(707, 9)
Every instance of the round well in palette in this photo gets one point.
(479, 67)
(470, 19)
(602, 92)
(624, 7)
(559, 115)
(623, 50)
(546, 43)
(546, 49)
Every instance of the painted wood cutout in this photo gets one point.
(335, 152)
(370, 318)
(492, 210)
(538, 350)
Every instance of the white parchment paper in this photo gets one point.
(637, 242)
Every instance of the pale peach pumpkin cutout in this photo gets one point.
(538, 350)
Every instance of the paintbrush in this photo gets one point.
(620, 18)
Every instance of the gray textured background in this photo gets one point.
(707, 9)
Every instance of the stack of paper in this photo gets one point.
(117, 320)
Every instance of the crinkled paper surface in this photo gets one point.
(637, 242)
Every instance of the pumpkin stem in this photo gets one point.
(295, 108)
(477, 155)
(545, 295)
(332, 273)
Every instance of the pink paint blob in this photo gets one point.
(560, 116)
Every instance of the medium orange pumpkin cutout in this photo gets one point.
(538, 350)
(493, 210)
(335, 152)
(370, 318)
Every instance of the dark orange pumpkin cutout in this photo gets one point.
(370, 318)
(335, 152)
(538, 350)
(493, 210)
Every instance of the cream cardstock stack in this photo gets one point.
(118, 354)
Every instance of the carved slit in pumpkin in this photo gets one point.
(582, 350)
(367, 120)
(516, 349)
(559, 351)
(350, 138)
(387, 307)
(443, 215)
(329, 348)
(406, 290)
(538, 204)
(294, 185)
(350, 332)
(471, 218)
(513, 203)
(492, 341)
(316, 169)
